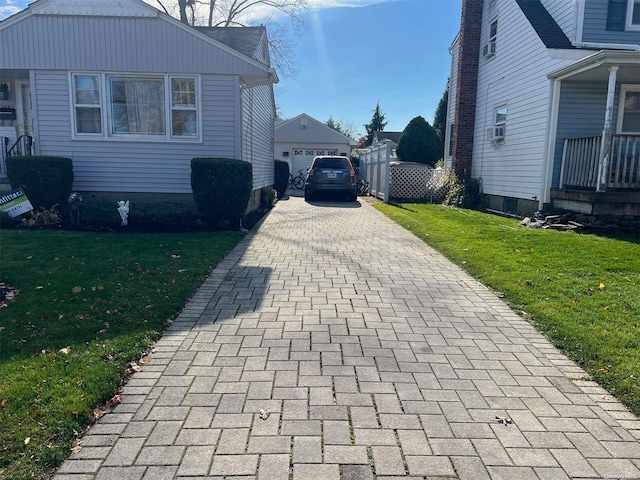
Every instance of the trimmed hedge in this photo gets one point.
(100, 214)
(280, 177)
(221, 188)
(46, 181)
(161, 217)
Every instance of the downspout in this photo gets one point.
(552, 133)
(605, 148)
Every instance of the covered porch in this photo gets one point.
(16, 126)
(595, 159)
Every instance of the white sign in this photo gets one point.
(15, 203)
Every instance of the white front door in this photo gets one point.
(23, 107)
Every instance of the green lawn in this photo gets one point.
(106, 297)
(582, 291)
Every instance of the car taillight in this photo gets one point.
(353, 174)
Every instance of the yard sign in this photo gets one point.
(15, 203)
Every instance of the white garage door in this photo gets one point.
(302, 158)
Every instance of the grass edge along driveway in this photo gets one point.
(582, 291)
(88, 305)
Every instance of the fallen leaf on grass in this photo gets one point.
(135, 367)
(601, 286)
(27, 440)
(65, 350)
(528, 282)
(76, 289)
(97, 413)
(39, 287)
(150, 306)
(175, 256)
(3, 403)
(113, 401)
(602, 371)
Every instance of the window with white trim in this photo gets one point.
(135, 106)
(633, 15)
(87, 104)
(629, 110)
(489, 49)
(184, 109)
(500, 123)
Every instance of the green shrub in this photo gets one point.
(161, 217)
(221, 189)
(281, 177)
(466, 193)
(8, 222)
(47, 181)
(419, 143)
(100, 214)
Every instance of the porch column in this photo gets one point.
(605, 147)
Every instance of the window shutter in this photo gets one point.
(617, 15)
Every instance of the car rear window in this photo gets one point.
(337, 163)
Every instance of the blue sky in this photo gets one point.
(351, 56)
(393, 52)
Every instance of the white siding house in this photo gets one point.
(301, 138)
(131, 94)
(516, 150)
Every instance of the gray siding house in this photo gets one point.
(545, 104)
(131, 94)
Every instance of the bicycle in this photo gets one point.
(363, 186)
(298, 181)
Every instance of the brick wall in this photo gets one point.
(467, 86)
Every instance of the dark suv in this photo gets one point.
(331, 174)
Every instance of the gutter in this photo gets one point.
(606, 46)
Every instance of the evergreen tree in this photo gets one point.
(419, 143)
(440, 117)
(377, 124)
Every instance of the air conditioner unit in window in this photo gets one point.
(498, 133)
(489, 49)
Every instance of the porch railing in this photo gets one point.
(11, 148)
(581, 156)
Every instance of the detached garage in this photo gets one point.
(300, 139)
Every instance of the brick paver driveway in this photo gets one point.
(332, 344)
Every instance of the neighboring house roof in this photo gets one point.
(544, 25)
(306, 129)
(380, 136)
(256, 68)
(245, 40)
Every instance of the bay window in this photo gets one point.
(143, 107)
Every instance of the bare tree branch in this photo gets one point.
(239, 13)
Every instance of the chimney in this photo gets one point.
(467, 86)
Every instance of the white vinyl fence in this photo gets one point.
(416, 181)
(374, 168)
(391, 179)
